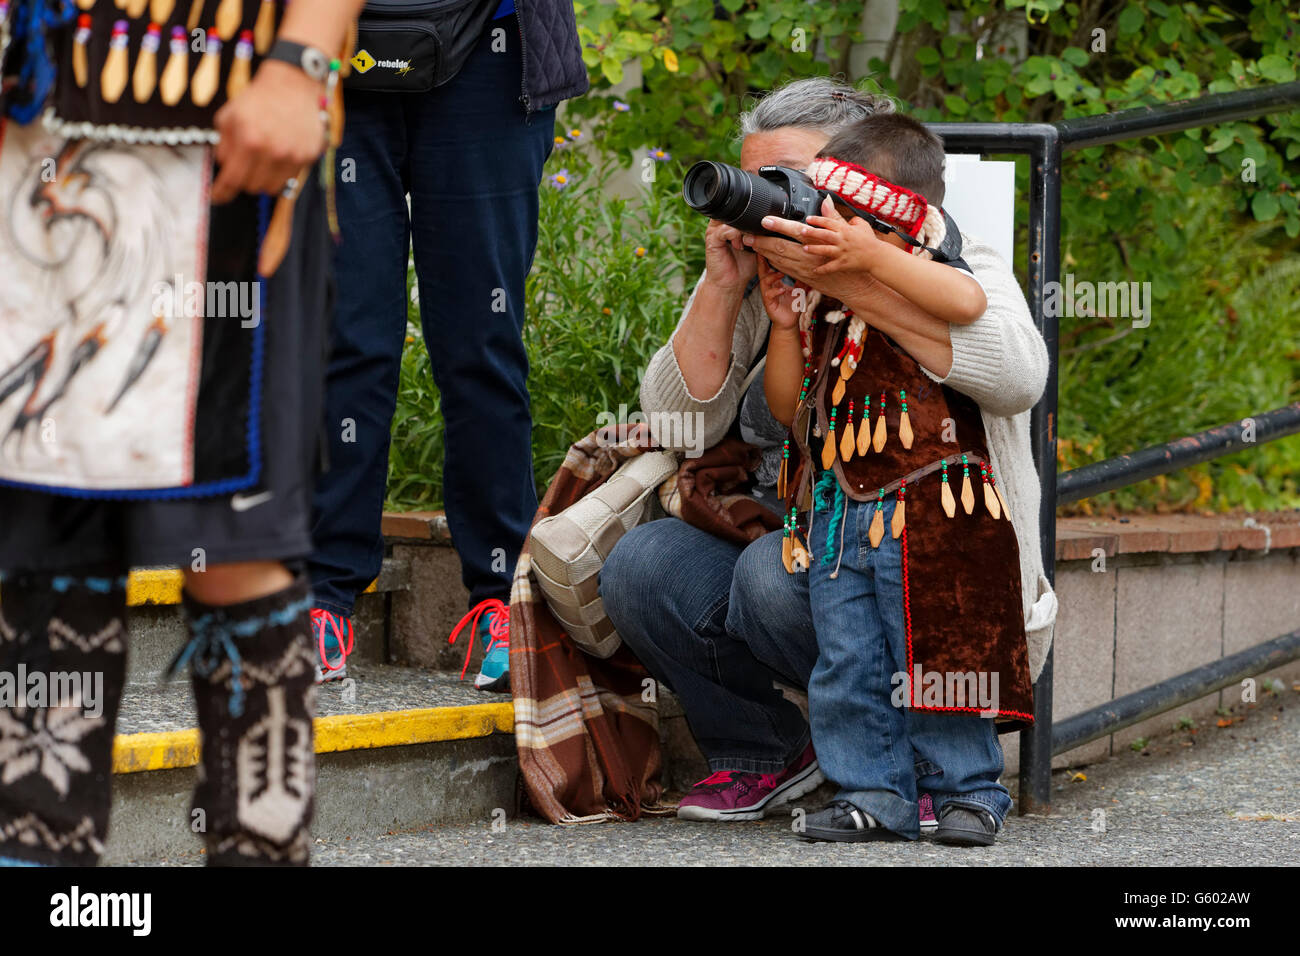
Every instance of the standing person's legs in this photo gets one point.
(250, 647)
(475, 163)
(368, 332)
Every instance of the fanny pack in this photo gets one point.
(411, 46)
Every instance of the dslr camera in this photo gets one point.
(742, 199)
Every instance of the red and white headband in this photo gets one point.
(895, 205)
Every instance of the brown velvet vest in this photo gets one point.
(961, 574)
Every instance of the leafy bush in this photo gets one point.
(1208, 216)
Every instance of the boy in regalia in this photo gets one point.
(906, 578)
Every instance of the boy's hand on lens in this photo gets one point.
(268, 132)
(779, 298)
(728, 264)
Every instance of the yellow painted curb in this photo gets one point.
(171, 750)
(163, 586)
(133, 753)
(154, 587)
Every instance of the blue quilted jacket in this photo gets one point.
(553, 68)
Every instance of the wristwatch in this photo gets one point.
(311, 60)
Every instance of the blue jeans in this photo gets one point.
(879, 754)
(717, 623)
(471, 161)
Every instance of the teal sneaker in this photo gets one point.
(327, 632)
(489, 621)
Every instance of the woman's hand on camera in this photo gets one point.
(781, 254)
(794, 260)
(727, 263)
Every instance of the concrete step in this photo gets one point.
(397, 748)
(158, 631)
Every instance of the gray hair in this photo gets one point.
(818, 102)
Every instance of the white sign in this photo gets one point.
(980, 195)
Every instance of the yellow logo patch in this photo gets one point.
(363, 61)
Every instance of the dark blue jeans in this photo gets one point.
(879, 753)
(471, 161)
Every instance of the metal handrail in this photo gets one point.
(1044, 144)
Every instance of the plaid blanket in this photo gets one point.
(587, 730)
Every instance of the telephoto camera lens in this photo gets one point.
(734, 196)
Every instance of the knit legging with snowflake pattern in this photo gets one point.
(62, 669)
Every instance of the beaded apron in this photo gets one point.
(157, 70)
(131, 320)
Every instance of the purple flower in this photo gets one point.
(660, 155)
(621, 107)
(560, 180)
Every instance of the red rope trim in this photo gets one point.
(978, 710)
(907, 619)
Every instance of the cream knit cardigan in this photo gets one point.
(1000, 361)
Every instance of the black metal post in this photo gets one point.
(1044, 268)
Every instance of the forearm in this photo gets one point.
(702, 343)
(938, 289)
(321, 23)
(781, 375)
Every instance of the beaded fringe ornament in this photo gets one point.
(828, 445)
(144, 78)
(846, 443)
(112, 79)
(878, 437)
(945, 492)
(900, 509)
(967, 494)
(877, 530)
(990, 499)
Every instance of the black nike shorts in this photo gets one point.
(271, 521)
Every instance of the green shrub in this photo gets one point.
(1208, 216)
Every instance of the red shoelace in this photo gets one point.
(498, 627)
(319, 619)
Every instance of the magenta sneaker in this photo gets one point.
(929, 823)
(733, 795)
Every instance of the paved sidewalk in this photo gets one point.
(1222, 796)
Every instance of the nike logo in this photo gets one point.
(244, 503)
